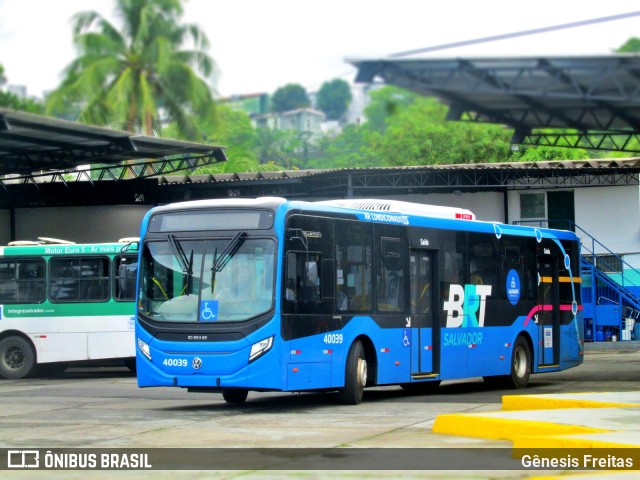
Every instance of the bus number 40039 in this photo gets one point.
(175, 362)
(333, 338)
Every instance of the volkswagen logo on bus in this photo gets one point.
(196, 363)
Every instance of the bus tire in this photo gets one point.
(520, 364)
(355, 377)
(520, 368)
(17, 358)
(236, 396)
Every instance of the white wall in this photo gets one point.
(611, 215)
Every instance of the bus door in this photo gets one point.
(549, 309)
(424, 325)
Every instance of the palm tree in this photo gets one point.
(124, 77)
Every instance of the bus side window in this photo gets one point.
(483, 260)
(126, 268)
(354, 266)
(303, 277)
(391, 278)
(22, 281)
(83, 279)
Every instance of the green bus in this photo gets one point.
(62, 302)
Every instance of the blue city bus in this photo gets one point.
(274, 295)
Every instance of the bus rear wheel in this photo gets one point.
(355, 377)
(17, 358)
(520, 368)
(235, 396)
(520, 364)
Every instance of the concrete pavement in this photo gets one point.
(560, 420)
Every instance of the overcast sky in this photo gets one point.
(261, 45)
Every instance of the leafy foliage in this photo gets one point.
(126, 76)
(630, 46)
(289, 97)
(334, 98)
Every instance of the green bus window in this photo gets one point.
(22, 281)
(79, 279)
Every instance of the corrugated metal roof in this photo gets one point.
(31, 143)
(570, 165)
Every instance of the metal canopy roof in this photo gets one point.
(598, 96)
(31, 143)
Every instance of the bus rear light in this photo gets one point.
(260, 348)
(144, 348)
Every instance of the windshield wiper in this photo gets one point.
(219, 262)
(186, 264)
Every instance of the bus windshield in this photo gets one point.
(206, 280)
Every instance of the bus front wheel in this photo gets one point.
(355, 377)
(235, 396)
(17, 358)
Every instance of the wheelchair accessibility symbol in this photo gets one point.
(405, 338)
(209, 311)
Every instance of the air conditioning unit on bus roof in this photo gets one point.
(406, 208)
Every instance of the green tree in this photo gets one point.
(386, 102)
(239, 161)
(125, 76)
(233, 129)
(630, 46)
(345, 150)
(276, 146)
(289, 97)
(419, 135)
(334, 98)
(543, 153)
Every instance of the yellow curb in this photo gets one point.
(502, 428)
(538, 442)
(535, 402)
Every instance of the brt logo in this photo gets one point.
(466, 305)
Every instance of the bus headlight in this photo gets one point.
(144, 348)
(260, 348)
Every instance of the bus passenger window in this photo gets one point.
(303, 277)
(483, 260)
(22, 281)
(353, 274)
(79, 279)
(391, 278)
(126, 268)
